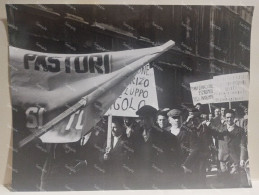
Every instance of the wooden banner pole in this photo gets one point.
(109, 132)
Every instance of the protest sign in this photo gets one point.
(231, 87)
(141, 91)
(202, 92)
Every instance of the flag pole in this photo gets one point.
(210, 108)
(109, 132)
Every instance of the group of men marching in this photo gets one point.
(161, 149)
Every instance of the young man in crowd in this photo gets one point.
(157, 153)
(199, 141)
(162, 120)
(232, 150)
(116, 157)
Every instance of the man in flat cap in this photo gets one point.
(175, 120)
(156, 152)
(187, 142)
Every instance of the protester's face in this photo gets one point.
(175, 121)
(210, 117)
(162, 121)
(198, 107)
(204, 116)
(235, 110)
(216, 112)
(222, 111)
(127, 121)
(229, 118)
(116, 129)
(147, 121)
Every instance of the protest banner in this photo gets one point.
(62, 96)
(231, 87)
(141, 91)
(202, 92)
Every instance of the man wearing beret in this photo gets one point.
(156, 154)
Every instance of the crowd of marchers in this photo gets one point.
(160, 149)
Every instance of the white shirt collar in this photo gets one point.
(231, 128)
(115, 140)
(146, 134)
(175, 130)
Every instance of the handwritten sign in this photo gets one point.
(141, 91)
(202, 92)
(231, 87)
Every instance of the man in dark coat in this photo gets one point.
(199, 141)
(156, 153)
(75, 166)
(176, 128)
(133, 137)
(216, 123)
(116, 158)
(91, 176)
(184, 140)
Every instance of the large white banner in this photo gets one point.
(231, 87)
(223, 88)
(141, 91)
(62, 96)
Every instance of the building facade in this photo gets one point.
(210, 40)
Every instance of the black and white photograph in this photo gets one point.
(129, 97)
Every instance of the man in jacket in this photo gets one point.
(195, 164)
(116, 157)
(232, 150)
(156, 153)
